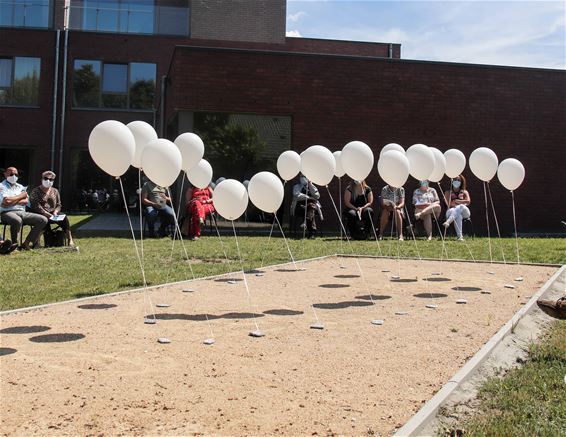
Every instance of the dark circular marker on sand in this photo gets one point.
(24, 329)
(56, 338)
(7, 351)
(97, 306)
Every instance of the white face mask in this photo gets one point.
(12, 179)
(47, 183)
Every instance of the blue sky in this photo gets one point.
(506, 32)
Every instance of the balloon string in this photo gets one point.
(349, 244)
(141, 214)
(146, 293)
(515, 226)
(496, 222)
(268, 241)
(443, 249)
(178, 229)
(372, 227)
(286, 243)
(487, 221)
(244, 276)
(457, 227)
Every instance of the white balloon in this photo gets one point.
(318, 165)
(455, 162)
(143, 133)
(339, 172)
(511, 173)
(266, 191)
(421, 161)
(392, 146)
(357, 160)
(161, 162)
(439, 165)
(483, 163)
(192, 149)
(288, 165)
(393, 167)
(230, 199)
(112, 146)
(201, 174)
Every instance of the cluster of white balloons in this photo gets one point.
(115, 146)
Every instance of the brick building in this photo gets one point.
(197, 64)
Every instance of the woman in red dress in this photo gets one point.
(199, 205)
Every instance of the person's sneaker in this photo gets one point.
(5, 246)
(401, 238)
(380, 238)
(302, 226)
(13, 247)
(428, 238)
(461, 239)
(195, 238)
(556, 309)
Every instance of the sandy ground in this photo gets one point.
(352, 378)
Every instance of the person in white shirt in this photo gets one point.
(13, 201)
(426, 203)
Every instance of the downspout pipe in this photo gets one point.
(63, 107)
(55, 92)
(390, 51)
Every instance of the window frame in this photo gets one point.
(13, 78)
(127, 93)
(49, 19)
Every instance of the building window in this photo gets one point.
(25, 13)
(129, 16)
(19, 81)
(109, 85)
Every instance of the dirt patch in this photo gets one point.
(353, 377)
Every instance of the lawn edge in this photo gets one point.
(415, 425)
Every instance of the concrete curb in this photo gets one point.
(151, 288)
(416, 423)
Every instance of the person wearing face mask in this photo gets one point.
(45, 200)
(358, 199)
(457, 199)
(13, 201)
(392, 204)
(426, 203)
(305, 205)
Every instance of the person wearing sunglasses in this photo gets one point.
(45, 200)
(13, 201)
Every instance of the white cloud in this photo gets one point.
(293, 33)
(296, 17)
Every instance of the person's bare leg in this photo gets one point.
(383, 220)
(399, 223)
(427, 222)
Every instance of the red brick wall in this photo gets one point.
(517, 112)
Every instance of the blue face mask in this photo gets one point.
(456, 184)
(424, 184)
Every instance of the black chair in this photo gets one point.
(211, 219)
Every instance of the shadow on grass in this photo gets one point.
(24, 329)
(90, 294)
(341, 305)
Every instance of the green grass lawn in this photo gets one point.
(107, 264)
(530, 400)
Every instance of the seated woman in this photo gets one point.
(199, 206)
(392, 203)
(426, 203)
(45, 200)
(358, 199)
(458, 199)
(305, 205)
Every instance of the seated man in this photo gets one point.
(305, 205)
(13, 201)
(6, 246)
(392, 202)
(155, 199)
(199, 206)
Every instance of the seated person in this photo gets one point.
(305, 205)
(458, 199)
(392, 202)
(358, 199)
(45, 200)
(426, 203)
(6, 246)
(154, 199)
(199, 206)
(13, 201)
